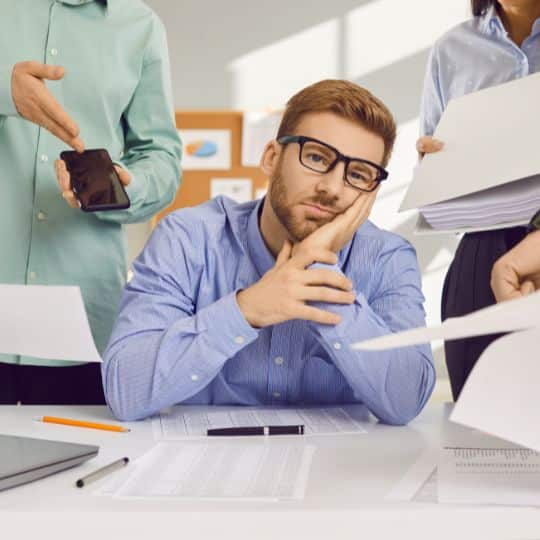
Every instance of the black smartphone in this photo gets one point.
(94, 180)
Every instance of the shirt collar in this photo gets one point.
(259, 253)
(490, 22)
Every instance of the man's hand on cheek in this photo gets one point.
(338, 232)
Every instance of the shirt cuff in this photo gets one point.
(136, 189)
(7, 105)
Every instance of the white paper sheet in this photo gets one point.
(496, 207)
(509, 476)
(502, 394)
(508, 316)
(482, 149)
(423, 228)
(217, 471)
(206, 149)
(415, 478)
(258, 128)
(189, 421)
(45, 322)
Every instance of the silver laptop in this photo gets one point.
(24, 460)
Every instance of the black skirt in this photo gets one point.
(466, 289)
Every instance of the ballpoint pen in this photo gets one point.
(100, 473)
(256, 430)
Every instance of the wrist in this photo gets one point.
(247, 309)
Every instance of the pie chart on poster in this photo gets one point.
(202, 149)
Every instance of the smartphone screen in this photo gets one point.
(94, 180)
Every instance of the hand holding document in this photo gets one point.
(45, 322)
(490, 151)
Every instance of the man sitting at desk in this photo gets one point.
(257, 303)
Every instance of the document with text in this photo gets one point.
(192, 421)
(509, 476)
(216, 471)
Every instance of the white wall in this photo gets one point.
(253, 54)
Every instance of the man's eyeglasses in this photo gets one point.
(322, 158)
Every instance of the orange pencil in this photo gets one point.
(80, 423)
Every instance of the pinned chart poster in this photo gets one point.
(206, 149)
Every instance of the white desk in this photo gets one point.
(350, 476)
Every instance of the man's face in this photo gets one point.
(303, 200)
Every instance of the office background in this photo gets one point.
(251, 55)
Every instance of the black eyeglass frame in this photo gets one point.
(302, 139)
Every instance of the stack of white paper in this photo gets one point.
(508, 204)
(486, 176)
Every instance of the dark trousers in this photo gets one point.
(466, 289)
(38, 385)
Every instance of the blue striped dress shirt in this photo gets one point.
(180, 336)
(474, 55)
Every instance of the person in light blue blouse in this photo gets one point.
(76, 74)
(257, 303)
(500, 43)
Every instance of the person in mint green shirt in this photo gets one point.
(79, 74)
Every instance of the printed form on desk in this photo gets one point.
(184, 421)
(236, 470)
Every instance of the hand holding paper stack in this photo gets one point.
(488, 173)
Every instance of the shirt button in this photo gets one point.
(44, 158)
(194, 377)
(276, 394)
(337, 345)
(54, 52)
(279, 360)
(32, 275)
(41, 216)
(239, 340)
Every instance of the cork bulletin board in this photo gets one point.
(195, 186)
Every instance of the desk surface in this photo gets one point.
(350, 476)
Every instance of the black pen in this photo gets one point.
(256, 430)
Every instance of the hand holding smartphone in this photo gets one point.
(94, 180)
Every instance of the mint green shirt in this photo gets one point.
(117, 88)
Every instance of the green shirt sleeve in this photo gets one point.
(7, 107)
(152, 146)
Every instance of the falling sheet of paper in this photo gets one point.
(219, 471)
(509, 476)
(501, 395)
(193, 421)
(519, 314)
(45, 322)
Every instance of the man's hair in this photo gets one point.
(344, 99)
(479, 7)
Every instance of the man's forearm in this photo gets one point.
(394, 384)
(144, 372)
